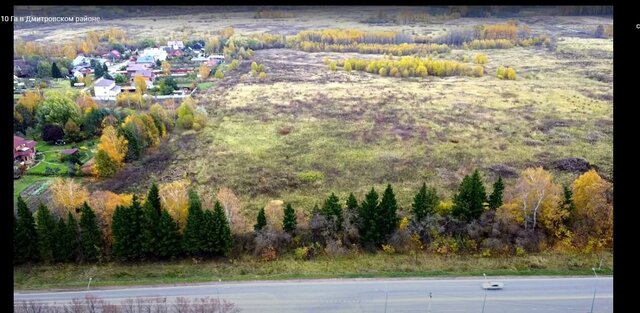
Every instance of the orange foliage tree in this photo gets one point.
(592, 196)
(104, 203)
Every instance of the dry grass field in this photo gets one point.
(359, 130)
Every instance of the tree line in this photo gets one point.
(370, 48)
(409, 67)
(532, 214)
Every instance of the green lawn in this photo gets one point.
(52, 158)
(205, 86)
(288, 267)
(25, 181)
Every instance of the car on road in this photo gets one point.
(491, 285)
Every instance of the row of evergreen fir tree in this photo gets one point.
(148, 232)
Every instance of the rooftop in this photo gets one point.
(102, 82)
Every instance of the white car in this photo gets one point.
(492, 285)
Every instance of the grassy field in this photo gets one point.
(287, 267)
(19, 185)
(361, 130)
(205, 86)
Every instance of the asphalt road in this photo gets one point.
(373, 295)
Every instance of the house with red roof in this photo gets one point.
(23, 150)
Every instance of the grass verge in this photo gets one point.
(65, 276)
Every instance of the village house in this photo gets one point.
(175, 45)
(145, 59)
(105, 88)
(146, 74)
(155, 53)
(135, 67)
(24, 151)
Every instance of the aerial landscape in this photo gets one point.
(313, 159)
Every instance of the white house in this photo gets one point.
(105, 88)
(175, 45)
(80, 61)
(155, 53)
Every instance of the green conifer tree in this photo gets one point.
(90, 237)
(495, 199)
(45, 227)
(333, 212)
(151, 222)
(289, 221)
(222, 230)
(26, 238)
(169, 244)
(468, 203)
(191, 241)
(352, 203)
(261, 221)
(72, 237)
(387, 217)
(369, 231)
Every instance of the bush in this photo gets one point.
(52, 133)
(388, 249)
(310, 176)
(302, 253)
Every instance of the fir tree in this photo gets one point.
(419, 205)
(72, 237)
(333, 212)
(191, 241)
(352, 202)
(369, 231)
(495, 199)
(55, 71)
(120, 229)
(209, 240)
(387, 218)
(60, 251)
(153, 198)
(127, 231)
(90, 237)
(151, 222)
(222, 231)
(26, 238)
(45, 227)
(169, 244)
(289, 221)
(261, 221)
(468, 203)
(98, 70)
(424, 202)
(432, 200)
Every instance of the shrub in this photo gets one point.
(388, 249)
(310, 176)
(52, 133)
(302, 253)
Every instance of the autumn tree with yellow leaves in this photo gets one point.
(174, 197)
(592, 196)
(111, 152)
(67, 196)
